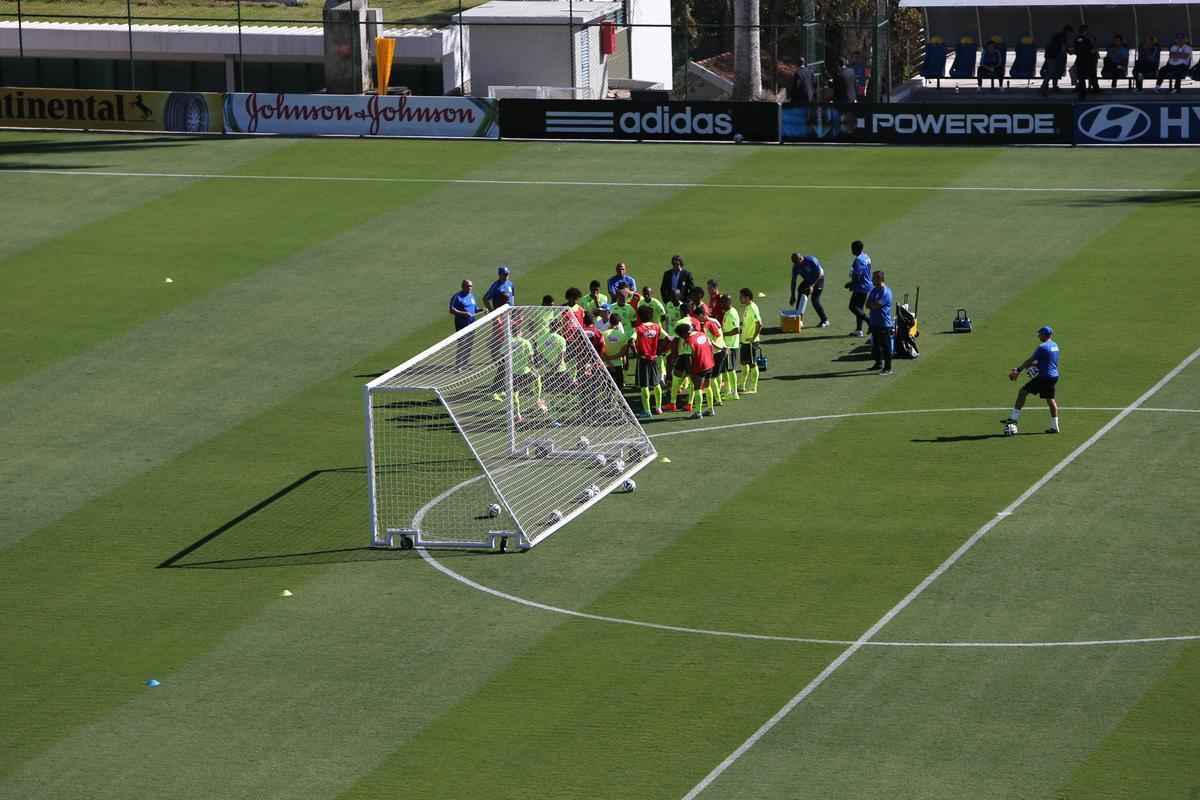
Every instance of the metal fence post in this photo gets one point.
(129, 27)
(241, 61)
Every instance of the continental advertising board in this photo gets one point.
(84, 109)
(928, 123)
(1137, 123)
(361, 115)
(623, 119)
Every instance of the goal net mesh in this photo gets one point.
(510, 427)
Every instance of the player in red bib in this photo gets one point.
(702, 366)
(647, 336)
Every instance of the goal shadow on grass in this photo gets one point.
(312, 520)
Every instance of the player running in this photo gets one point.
(1043, 372)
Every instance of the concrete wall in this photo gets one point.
(651, 47)
(518, 55)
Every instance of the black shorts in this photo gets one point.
(750, 353)
(700, 377)
(647, 373)
(731, 359)
(683, 364)
(1041, 386)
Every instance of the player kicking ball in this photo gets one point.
(1043, 372)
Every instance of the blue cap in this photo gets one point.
(502, 269)
(1045, 330)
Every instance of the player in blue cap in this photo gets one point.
(1043, 378)
(501, 291)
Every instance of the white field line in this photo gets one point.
(907, 600)
(607, 184)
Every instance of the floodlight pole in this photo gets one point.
(20, 33)
(508, 374)
(129, 28)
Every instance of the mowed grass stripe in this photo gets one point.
(1029, 580)
(798, 564)
(95, 282)
(37, 210)
(103, 555)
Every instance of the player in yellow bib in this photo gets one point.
(751, 335)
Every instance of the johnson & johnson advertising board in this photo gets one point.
(624, 119)
(361, 115)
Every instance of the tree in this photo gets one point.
(747, 51)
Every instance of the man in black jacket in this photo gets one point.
(1085, 63)
(676, 282)
(1055, 63)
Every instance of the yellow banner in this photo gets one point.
(385, 51)
(94, 109)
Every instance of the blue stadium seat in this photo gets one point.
(935, 60)
(1025, 61)
(964, 59)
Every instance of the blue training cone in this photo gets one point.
(152, 682)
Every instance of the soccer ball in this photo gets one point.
(599, 459)
(584, 443)
(540, 449)
(628, 485)
(1010, 429)
(494, 510)
(737, 138)
(554, 516)
(588, 493)
(616, 466)
(1032, 371)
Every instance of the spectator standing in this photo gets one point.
(621, 278)
(676, 282)
(1116, 60)
(1043, 380)
(463, 309)
(1146, 65)
(859, 286)
(804, 84)
(879, 304)
(990, 65)
(503, 285)
(1179, 60)
(1085, 63)
(812, 284)
(1055, 61)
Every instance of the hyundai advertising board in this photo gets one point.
(946, 123)
(1137, 123)
(622, 119)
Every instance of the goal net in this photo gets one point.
(507, 430)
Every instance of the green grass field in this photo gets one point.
(140, 417)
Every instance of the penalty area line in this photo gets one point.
(916, 592)
(607, 184)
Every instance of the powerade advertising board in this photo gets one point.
(946, 123)
(1137, 123)
(623, 119)
(361, 115)
(98, 110)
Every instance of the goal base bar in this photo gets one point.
(408, 539)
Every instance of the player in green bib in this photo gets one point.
(751, 335)
(594, 299)
(731, 327)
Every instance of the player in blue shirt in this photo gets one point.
(501, 286)
(622, 277)
(463, 308)
(812, 276)
(1043, 378)
(879, 309)
(859, 286)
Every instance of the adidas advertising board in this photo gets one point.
(622, 119)
(946, 123)
(1137, 123)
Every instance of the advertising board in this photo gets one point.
(361, 115)
(944, 123)
(84, 109)
(641, 121)
(1137, 123)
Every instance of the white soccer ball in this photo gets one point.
(616, 466)
(628, 485)
(584, 443)
(588, 494)
(494, 510)
(737, 138)
(1010, 429)
(1032, 371)
(599, 459)
(554, 516)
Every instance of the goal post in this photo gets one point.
(500, 434)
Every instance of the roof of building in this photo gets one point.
(536, 12)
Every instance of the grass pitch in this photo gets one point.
(212, 425)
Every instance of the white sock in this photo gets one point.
(1054, 424)
(1016, 414)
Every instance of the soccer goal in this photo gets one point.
(497, 436)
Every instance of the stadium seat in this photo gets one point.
(965, 56)
(1025, 61)
(935, 60)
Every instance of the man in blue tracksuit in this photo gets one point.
(812, 277)
(1043, 378)
(501, 291)
(879, 310)
(859, 286)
